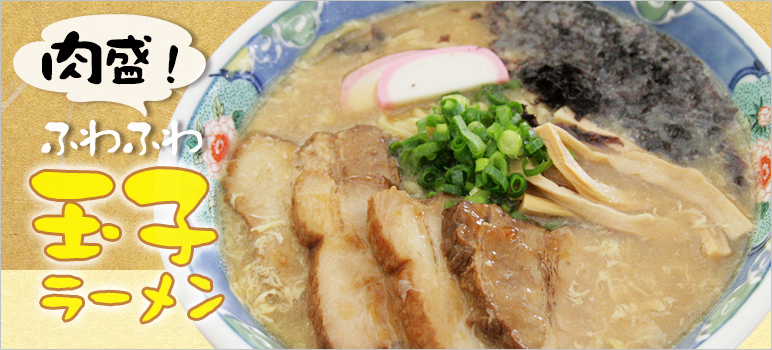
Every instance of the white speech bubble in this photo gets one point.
(158, 37)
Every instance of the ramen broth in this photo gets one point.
(617, 290)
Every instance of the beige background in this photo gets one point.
(26, 110)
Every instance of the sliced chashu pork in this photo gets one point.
(264, 167)
(504, 266)
(349, 304)
(348, 299)
(360, 150)
(406, 238)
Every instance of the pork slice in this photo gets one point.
(320, 152)
(264, 167)
(315, 206)
(349, 302)
(426, 297)
(258, 186)
(356, 151)
(504, 266)
(362, 150)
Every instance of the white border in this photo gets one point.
(730, 335)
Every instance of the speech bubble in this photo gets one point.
(139, 59)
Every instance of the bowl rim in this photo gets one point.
(730, 335)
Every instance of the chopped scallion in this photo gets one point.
(394, 147)
(498, 160)
(471, 115)
(421, 125)
(458, 144)
(434, 119)
(480, 164)
(451, 107)
(441, 133)
(475, 143)
(504, 116)
(534, 145)
(494, 179)
(553, 224)
(515, 106)
(487, 119)
(429, 177)
(427, 150)
(414, 141)
(490, 148)
(455, 177)
(466, 149)
(517, 185)
(511, 144)
(480, 196)
(451, 189)
(495, 130)
(539, 169)
(517, 215)
(497, 98)
(461, 99)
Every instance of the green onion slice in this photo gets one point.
(429, 177)
(474, 142)
(472, 115)
(534, 145)
(539, 169)
(452, 189)
(553, 224)
(434, 119)
(510, 144)
(480, 164)
(455, 177)
(490, 148)
(427, 150)
(500, 162)
(441, 133)
(421, 125)
(495, 130)
(458, 144)
(414, 141)
(497, 98)
(461, 99)
(495, 178)
(517, 215)
(515, 106)
(479, 196)
(451, 107)
(394, 147)
(517, 185)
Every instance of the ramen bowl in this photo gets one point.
(268, 44)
